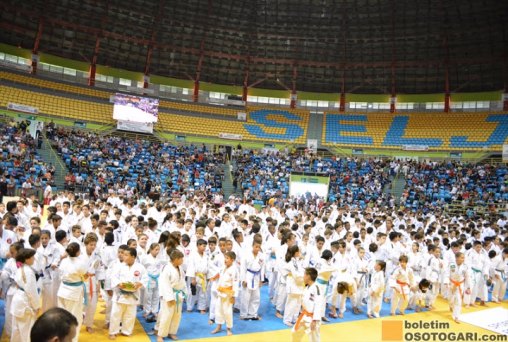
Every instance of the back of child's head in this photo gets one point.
(373, 247)
(24, 254)
(60, 235)
(72, 249)
(109, 238)
(312, 273)
(382, 264)
(327, 254)
(492, 254)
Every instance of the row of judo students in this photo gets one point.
(283, 265)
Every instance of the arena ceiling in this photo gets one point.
(355, 46)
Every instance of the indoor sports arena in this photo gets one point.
(253, 170)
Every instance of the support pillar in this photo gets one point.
(342, 103)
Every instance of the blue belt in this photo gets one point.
(154, 277)
(325, 283)
(2, 262)
(76, 284)
(177, 296)
(322, 281)
(254, 273)
(273, 257)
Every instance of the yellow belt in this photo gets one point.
(202, 280)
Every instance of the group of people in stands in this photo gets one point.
(20, 165)
(364, 182)
(108, 163)
(190, 251)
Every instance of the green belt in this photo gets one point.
(476, 270)
(177, 297)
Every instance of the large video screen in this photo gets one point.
(135, 108)
(305, 185)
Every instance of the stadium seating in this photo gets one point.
(25, 165)
(354, 182)
(447, 131)
(115, 160)
(434, 185)
(277, 131)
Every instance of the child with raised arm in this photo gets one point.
(309, 321)
(227, 291)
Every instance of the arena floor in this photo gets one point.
(352, 328)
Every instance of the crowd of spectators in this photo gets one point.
(21, 167)
(104, 164)
(264, 175)
(431, 184)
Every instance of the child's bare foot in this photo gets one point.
(202, 312)
(457, 320)
(341, 315)
(210, 321)
(106, 326)
(324, 319)
(402, 313)
(289, 325)
(90, 330)
(102, 312)
(482, 303)
(112, 337)
(229, 332)
(392, 313)
(160, 339)
(386, 300)
(173, 337)
(369, 315)
(278, 315)
(216, 330)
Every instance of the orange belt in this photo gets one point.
(227, 290)
(402, 284)
(299, 320)
(90, 282)
(458, 284)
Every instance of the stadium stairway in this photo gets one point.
(49, 155)
(227, 183)
(315, 128)
(398, 184)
